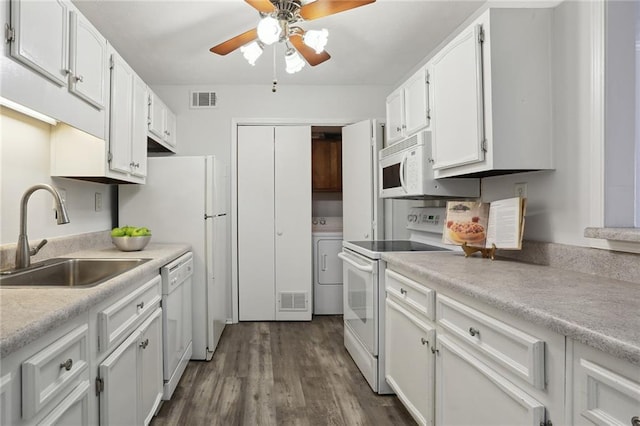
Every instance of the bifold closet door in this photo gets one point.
(256, 267)
(293, 247)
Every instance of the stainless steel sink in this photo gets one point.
(68, 272)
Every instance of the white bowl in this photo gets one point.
(131, 243)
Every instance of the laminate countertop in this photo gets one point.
(29, 313)
(600, 312)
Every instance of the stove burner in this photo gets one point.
(395, 245)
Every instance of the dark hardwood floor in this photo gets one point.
(280, 373)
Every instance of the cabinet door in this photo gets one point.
(139, 128)
(6, 400)
(457, 110)
(42, 37)
(395, 116)
(150, 365)
(292, 195)
(157, 116)
(88, 54)
(170, 130)
(256, 269)
(409, 362)
(469, 392)
(416, 102)
(119, 398)
(121, 115)
(326, 159)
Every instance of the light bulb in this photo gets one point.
(294, 61)
(252, 51)
(316, 39)
(269, 30)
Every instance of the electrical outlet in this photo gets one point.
(520, 189)
(98, 203)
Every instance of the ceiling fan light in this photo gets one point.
(269, 30)
(316, 39)
(252, 51)
(293, 61)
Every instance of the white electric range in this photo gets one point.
(364, 289)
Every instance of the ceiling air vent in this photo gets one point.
(204, 100)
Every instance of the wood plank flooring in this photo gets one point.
(280, 373)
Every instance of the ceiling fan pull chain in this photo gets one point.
(275, 79)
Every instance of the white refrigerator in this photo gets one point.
(184, 201)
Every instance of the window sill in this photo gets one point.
(630, 235)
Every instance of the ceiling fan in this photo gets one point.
(278, 19)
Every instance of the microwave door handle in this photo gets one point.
(364, 268)
(402, 166)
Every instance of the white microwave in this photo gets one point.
(406, 172)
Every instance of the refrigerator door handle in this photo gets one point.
(208, 216)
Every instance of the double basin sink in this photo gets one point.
(68, 272)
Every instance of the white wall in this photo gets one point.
(24, 161)
(559, 201)
(208, 131)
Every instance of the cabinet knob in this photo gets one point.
(434, 350)
(144, 344)
(424, 341)
(78, 78)
(635, 421)
(140, 305)
(473, 331)
(398, 129)
(279, 233)
(67, 364)
(403, 291)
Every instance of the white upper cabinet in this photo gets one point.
(56, 63)
(88, 61)
(162, 123)
(490, 90)
(408, 107)
(41, 36)
(128, 118)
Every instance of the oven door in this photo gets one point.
(360, 288)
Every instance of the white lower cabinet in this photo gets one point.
(605, 390)
(455, 361)
(131, 377)
(469, 392)
(409, 362)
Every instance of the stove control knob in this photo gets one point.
(323, 221)
(314, 221)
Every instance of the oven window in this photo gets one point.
(357, 296)
(391, 176)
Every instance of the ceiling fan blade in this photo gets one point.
(264, 6)
(235, 42)
(321, 8)
(308, 53)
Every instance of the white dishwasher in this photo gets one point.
(176, 320)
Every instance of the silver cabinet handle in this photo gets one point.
(144, 344)
(424, 341)
(67, 364)
(78, 78)
(324, 262)
(140, 305)
(473, 331)
(403, 291)
(434, 350)
(635, 421)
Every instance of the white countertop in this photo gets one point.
(600, 312)
(28, 313)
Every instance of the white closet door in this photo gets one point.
(293, 222)
(256, 295)
(358, 182)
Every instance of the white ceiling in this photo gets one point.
(167, 42)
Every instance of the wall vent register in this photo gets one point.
(201, 100)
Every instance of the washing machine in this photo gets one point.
(327, 267)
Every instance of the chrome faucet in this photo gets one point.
(23, 252)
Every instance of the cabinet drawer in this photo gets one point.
(414, 294)
(118, 320)
(53, 371)
(512, 349)
(73, 410)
